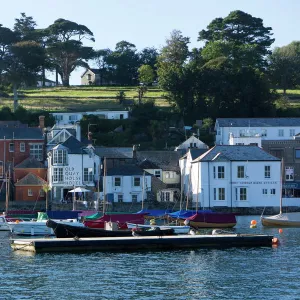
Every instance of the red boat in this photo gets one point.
(121, 219)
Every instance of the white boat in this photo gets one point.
(39, 226)
(178, 229)
(4, 224)
(291, 219)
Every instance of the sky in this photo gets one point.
(147, 23)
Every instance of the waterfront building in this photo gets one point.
(191, 143)
(235, 177)
(72, 164)
(251, 131)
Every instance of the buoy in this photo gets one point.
(275, 241)
(280, 230)
(17, 221)
(253, 222)
(252, 226)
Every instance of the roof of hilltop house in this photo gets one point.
(27, 133)
(114, 152)
(73, 145)
(126, 170)
(258, 122)
(31, 179)
(166, 160)
(236, 153)
(95, 71)
(195, 153)
(12, 124)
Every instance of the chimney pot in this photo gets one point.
(41, 122)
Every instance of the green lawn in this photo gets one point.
(80, 98)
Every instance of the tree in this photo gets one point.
(120, 96)
(284, 66)
(66, 49)
(22, 64)
(240, 37)
(25, 28)
(146, 74)
(100, 59)
(124, 63)
(142, 90)
(148, 56)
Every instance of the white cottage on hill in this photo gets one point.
(235, 176)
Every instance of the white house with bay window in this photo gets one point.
(235, 176)
(72, 164)
(126, 183)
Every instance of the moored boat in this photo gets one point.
(291, 219)
(180, 229)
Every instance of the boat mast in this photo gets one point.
(104, 186)
(197, 189)
(143, 189)
(7, 190)
(74, 197)
(280, 205)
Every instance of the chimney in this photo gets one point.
(41, 122)
(134, 149)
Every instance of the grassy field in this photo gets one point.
(80, 98)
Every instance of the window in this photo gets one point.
(253, 144)
(42, 193)
(280, 132)
(264, 132)
(1, 169)
(58, 175)
(30, 193)
(157, 174)
(117, 181)
(58, 117)
(165, 196)
(191, 145)
(214, 171)
(136, 181)
(120, 198)
(273, 191)
(221, 172)
(36, 151)
(88, 174)
(289, 173)
(73, 118)
(243, 194)
(297, 153)
(22, 147)
(292, 132)
(219, 194)
(169, 174)
(277, 152)
(265, 191)
(134, 198)
(240, 172)
(89, 76)
(267, 171)
(242, 132)
(59, 157)
(11, 147)
(240, 144)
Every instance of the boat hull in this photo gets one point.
(282, 220)
(211, 225)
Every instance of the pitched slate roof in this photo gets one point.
(114, 152)
(12, 124)
(126, 170)
(147, 164)
(74, 146)
(166, 160)
(236, 153)
(27, 133)
(194, 153)
(31, 179)
(30, 163)
(258, 122)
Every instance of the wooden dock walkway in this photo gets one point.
(141, 243)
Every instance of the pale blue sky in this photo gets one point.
(148, 23)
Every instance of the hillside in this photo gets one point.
(80, 98)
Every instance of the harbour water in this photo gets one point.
(236, 273)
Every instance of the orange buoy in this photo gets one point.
(253, 222)
(280, 230)
(17, 221)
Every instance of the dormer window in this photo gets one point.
(59, 157)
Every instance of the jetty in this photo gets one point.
(136, 243)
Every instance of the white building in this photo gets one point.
(71, 164)
(73, 117)
(250, 131)
(190, 143)
(235, 176)
(126, 183)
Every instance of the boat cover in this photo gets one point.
(155, 212)
(63, 214)
(122, 219)
(213, 217)
(184, 214)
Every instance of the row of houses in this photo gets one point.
(235, 173)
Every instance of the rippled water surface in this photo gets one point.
(237, 273)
